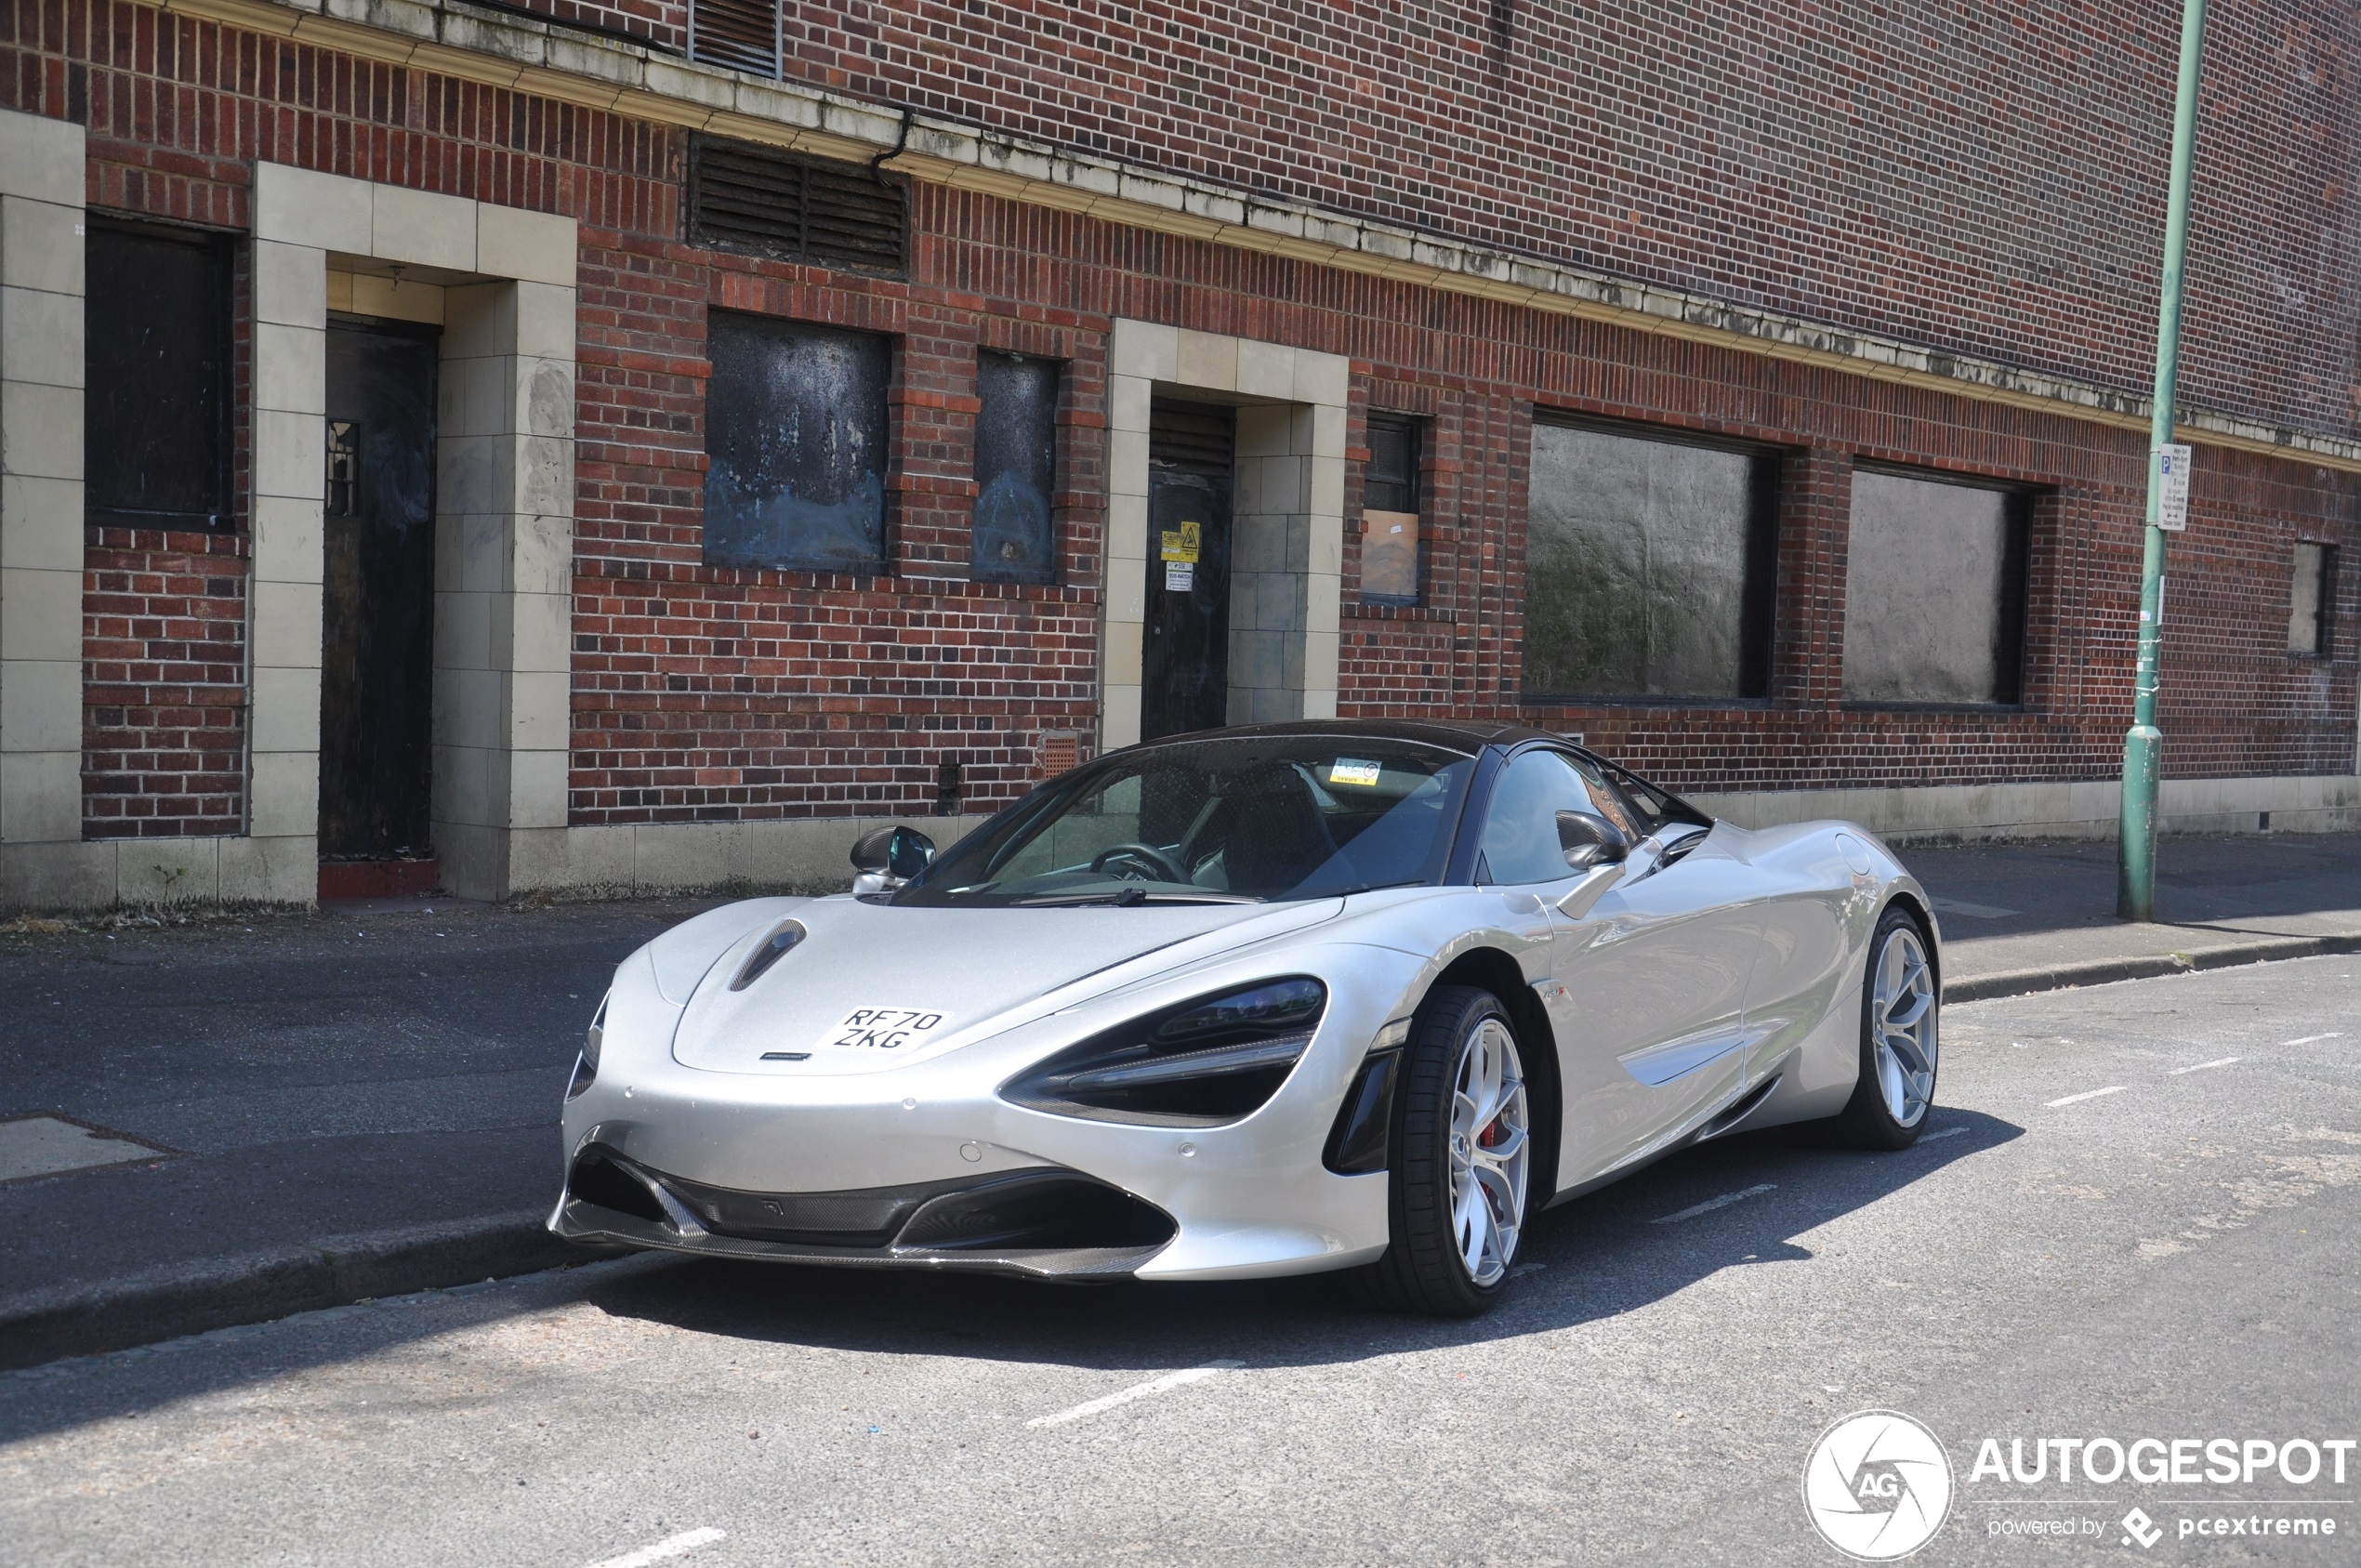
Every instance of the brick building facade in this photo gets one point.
(1904, 242)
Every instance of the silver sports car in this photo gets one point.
(1257, 1001)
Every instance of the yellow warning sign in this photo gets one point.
(1181, 544)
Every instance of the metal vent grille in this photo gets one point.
(748, 198)
(741, 35)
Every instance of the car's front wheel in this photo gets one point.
(1899, 1040)
(1463, 1159)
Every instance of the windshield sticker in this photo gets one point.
(1348, 770)
(884, 1029)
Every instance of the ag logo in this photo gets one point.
(1877, 1485)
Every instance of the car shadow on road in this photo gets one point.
(1611, 1252)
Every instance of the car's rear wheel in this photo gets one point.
(1463, 1159)
(1900, 1044)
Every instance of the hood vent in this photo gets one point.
(764, 201)
(775, 947)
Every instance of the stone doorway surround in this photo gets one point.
(504, 531)
(1287, 550)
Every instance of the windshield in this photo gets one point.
(1265, 817)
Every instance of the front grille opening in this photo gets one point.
(1029, 1212)
(597, 1179)
(852, 1219)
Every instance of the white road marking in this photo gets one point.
(670, 1546)
(1711, 1204)
(2086, 1094)
(2201, 1066)
(34, 1146)
(1137, 1390)
(1946, 1132)
(2311, 1039)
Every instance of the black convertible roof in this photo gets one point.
(1469, 735)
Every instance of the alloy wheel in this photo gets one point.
(1491, 1150)
(1901, 1025)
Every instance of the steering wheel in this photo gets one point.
(1146, 855)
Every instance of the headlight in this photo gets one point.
(586, 1069)
(1209, 1061)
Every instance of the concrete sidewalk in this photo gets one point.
(2023, 917)
(364, 1101)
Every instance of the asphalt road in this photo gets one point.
(2135, 1217)
(327, 1072)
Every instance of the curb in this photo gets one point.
(2101, 971)
(164, 1303)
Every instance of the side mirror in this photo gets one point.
(1589, 840)
(894, 853)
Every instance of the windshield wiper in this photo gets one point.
(1129, 897)
(1370, 887)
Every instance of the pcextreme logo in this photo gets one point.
(1877, 1485)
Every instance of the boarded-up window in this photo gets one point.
(2313, 604)
(1649, 566)
(1390, 510)
(796, 431)
(157, 334)
(1016, 468)
(1934, 591)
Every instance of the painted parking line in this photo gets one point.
(2311, 1039)
(663, 1550)
(1946, 1132)
(1725, 1201)
(2200, 1067)
(2086, 1094)
(1164, 1384)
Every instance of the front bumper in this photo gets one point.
(1043, 1224)
(1248, 1199)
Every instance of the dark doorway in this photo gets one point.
(376, 676)
(1184, 676)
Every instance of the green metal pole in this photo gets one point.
(2135, 895)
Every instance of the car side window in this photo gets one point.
(1520, 827)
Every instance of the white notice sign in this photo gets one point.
(2172, 488)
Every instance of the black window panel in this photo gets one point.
(1016, 468)
(1935, 589)
(2313, 603)
(796, 431)
(1391, 484)
(1651, 565)
(763, 202)
(156, 409)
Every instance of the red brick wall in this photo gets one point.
(720, 695)
(1984, 179)
(164, 719)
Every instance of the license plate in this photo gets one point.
(884, 1029)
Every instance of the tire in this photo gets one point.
(1456, 1205)
(1900, 1045)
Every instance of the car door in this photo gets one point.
(1648, 993)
